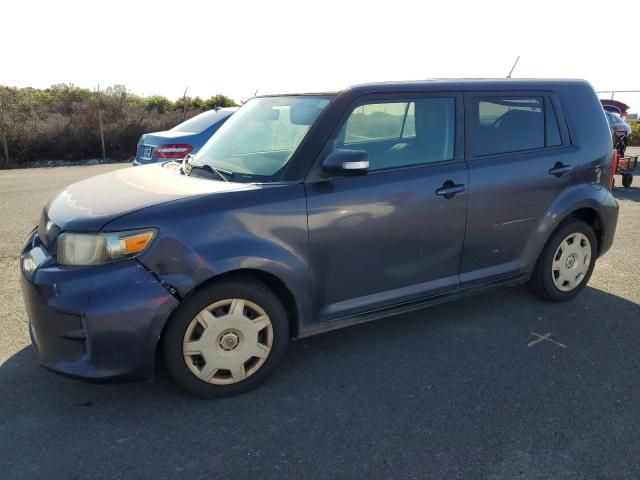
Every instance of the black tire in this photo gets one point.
(627, 180)
(541, 282)
(240, 286)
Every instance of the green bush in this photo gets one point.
(62, 122)
(635, 133)
(157, 103)
(219, 101)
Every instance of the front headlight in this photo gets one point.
(99, 248)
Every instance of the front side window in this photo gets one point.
(401, 133)
(262, 136)
(513, 124)
(375, 121)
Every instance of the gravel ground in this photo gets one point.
(454, 391)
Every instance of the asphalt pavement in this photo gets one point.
(497, 386)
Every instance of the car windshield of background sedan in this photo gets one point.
(261, 137)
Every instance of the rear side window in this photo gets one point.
(552, 131)
(401, 133)
(513, 124)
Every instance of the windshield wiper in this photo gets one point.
(188, 167)
(209, 168)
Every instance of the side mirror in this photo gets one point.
(347, 162)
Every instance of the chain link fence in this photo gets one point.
(67, 123)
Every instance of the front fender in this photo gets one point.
(185, 268)
(572, 199)
(199, 238)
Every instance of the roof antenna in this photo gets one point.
(514, 67)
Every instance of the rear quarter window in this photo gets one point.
(505, 124)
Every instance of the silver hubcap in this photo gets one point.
(571, 262)
(228, 341)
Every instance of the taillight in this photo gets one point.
(614, 166)
(171, 150)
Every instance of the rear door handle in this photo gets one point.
(449, 189)
(559, 169)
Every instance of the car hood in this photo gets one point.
(92, 203)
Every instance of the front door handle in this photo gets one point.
(559, 169)
(449, 189)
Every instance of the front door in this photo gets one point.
(396, 233)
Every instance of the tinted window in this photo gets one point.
(551, 125)
(397, 134)
(409, 130)
(375, 121)
(503, 125)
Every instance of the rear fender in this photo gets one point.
(574, 198)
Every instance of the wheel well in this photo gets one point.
(282, 292)
(274, 283)
(591, 218)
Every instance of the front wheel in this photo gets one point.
(627, 179)
(566, 263)
(227, 338)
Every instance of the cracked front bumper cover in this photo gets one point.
(96, 323)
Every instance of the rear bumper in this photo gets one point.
(139, 161)
(94, 323)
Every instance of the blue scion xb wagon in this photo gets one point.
(306, 213)
(183, 139)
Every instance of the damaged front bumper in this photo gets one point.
(96, 323)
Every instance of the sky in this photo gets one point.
(238, 47)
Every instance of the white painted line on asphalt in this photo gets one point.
(540, 338)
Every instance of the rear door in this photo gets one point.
(520, 160)
(394, 234)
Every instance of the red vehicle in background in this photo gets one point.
(614, 106)
(615, 112)
(620, 132)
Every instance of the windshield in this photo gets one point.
(260, 138)
(200, 123)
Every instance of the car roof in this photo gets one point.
(452, 84)
(467, 84)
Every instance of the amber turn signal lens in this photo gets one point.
(137, 242)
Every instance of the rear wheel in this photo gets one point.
(227, 338)
(627, 180)
(566, 263)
